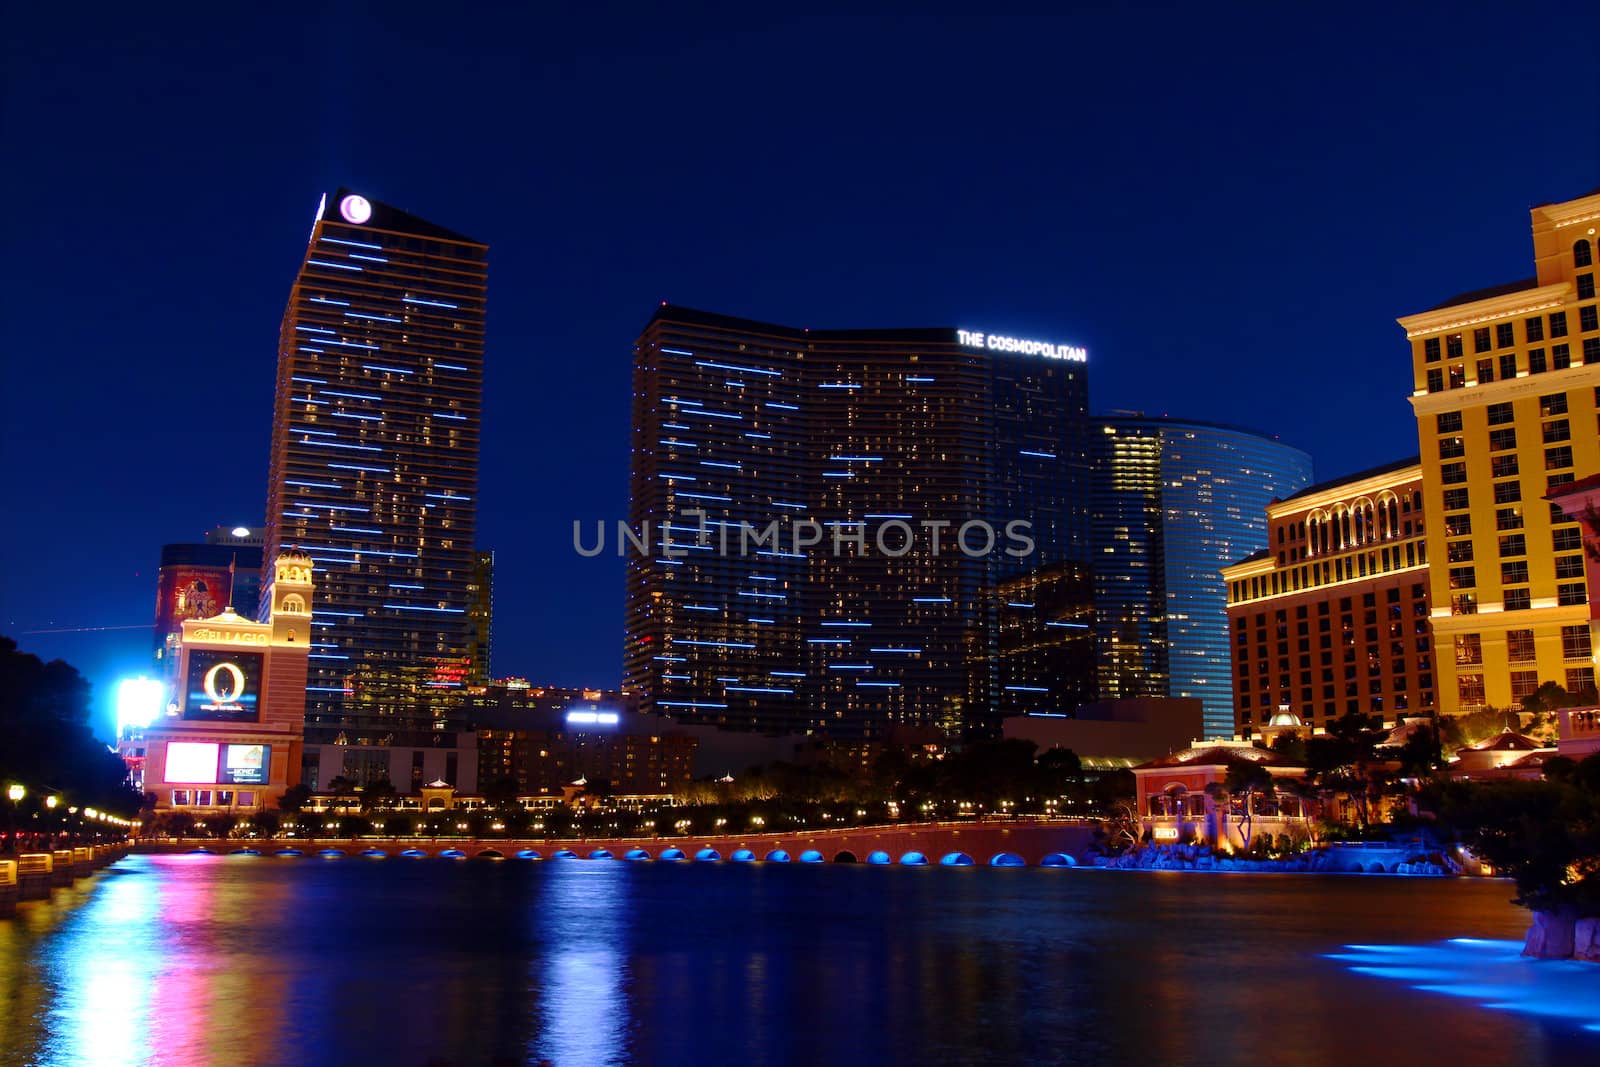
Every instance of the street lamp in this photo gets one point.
(51, 801)
(16, 792)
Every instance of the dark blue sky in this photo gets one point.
(1228, 208)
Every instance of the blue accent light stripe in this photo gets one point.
(336, 444)
(734, 367)
(352, 244)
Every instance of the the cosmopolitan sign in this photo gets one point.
(995, 342)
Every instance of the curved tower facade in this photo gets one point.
(1174, 502)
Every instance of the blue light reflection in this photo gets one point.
(1493, 973)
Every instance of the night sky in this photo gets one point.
(1228, 209)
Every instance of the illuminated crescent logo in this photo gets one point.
(234, 693)
(355, 209)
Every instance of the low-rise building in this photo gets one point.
(1506, 755)
(1183, 797)
(232, 733)
(1578, 734)
(1115, 733)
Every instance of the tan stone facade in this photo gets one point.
(1506, 390)
(1333, 617)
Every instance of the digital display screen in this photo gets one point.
(192, 762)
(223, 686)
(245, 764)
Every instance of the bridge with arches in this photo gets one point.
(1008, 843)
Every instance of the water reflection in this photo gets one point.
(197, 960)
(1493, 973)
(582, 925)
(104, 976)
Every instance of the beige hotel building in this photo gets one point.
(1506, 388)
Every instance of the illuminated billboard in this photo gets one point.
(191, 762)
(245, 764)
(223, 686)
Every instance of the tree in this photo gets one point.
(1552, 697)
(295, 797)
(1459, 731)
(377, 795)
(1310, 796)
(1419, 755)
(501, 794)
(1245, 781)
(1545, 835)
(1060, 771)
(1122, 828)
(1346, 760)
(45, 736)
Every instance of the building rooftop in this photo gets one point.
(388, 217)
(1140, 418)
(1570, 199)
(1582, 485)
(1506, 740)
(1221, 754)
(1358, 476)
(1475, 295)
(677, 313)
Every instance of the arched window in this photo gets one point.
(1581, 256)
(293, 604)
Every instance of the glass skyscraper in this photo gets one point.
(374, 468)
(1173, 503)
(867, 434)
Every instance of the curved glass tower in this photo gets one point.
(1173, 502)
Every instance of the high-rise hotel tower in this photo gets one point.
(889, 441)
(1175, 501)
(374, 467)
(1506, 389)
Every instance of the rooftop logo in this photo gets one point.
(995, 342)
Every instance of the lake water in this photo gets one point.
(196, 961)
